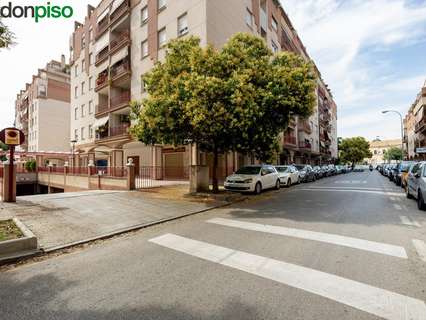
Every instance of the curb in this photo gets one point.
(131, 229)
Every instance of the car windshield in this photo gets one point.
(300, 168)
(282, 169)
(405, 166)
(248, 170)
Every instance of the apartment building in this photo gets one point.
(42, 109)
(121, 40)
(415, 127)
(379, 147)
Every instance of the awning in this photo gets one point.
(102, 42)
(116, 4)
(101, 122)
(120, 55)
(102, 15)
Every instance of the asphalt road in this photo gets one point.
(340, 248)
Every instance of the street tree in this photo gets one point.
(354, 150)
(238, 98)
(7, 37)
(393, 153)
(3, 147)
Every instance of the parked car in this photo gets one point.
(416, 184)
(319, 173)
(288, 175)
(326, 171)
(392, 172)
(253, 179)
(306, 173)
(405, 174)
(359, 168)
(332, 169)
(401, 168)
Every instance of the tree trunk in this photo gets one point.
(215, 163)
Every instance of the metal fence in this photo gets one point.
(151, 176)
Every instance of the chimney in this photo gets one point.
(63, 61)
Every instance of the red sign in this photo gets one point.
(12, 136)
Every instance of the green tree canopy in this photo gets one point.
(354, 150)
(7, 37)
(393, 153)
(3, 147)
(235, 99)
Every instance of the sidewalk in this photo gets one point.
(68, 218)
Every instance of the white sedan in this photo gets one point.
(288, 175)
(253, 179)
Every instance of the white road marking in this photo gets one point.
(397, 194)
(353, 188)
(421, 248)
(350, 181)
(392, 198)
(409, 222)
(397, 206)
(382, 303)
(377, 247)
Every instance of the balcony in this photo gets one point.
(120, 70)
(120, 11)
(102, 26)
(102, 107)
(102, 56)
(101, 81)
(119, 131)
(305, 145)
(120, 100)
(420, 126)
(119, 42)
(290, 141)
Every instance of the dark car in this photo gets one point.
(392, 172)
(306, 173)
(400, 169)
(319, 173)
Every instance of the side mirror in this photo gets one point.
(417, 175)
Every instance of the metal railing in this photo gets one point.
(154, 176)
(122, 98)
(120, 69)
(290, 140)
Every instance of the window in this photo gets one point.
(90, 131)
(274, 47)
(143, 86)
(83, 111)
(76, 70)
(274, 24)
(76, 135)
(90, 83)
(83, 84)
(76, 92)
(83, 42)
(162, 37)
(144, 49)
(75, 113)
(90, 107)
(162, 4)
(82, 133)
(249, 18)
(144, 15)
(90, 58)
(83, 62)
(90, 34)
(183, 25)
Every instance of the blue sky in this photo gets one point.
(372, 53)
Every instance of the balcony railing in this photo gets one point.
(305, 145)
(120, 130)
(102, 107)
(120, 40)
(101, 56)
(420, 126)
(289, 140)
(102, 26)
(120, 69)
(119, 11)
(123, 98)
(101, 81)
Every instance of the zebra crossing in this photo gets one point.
(364, 297)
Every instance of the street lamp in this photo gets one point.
(73, 142)
(402, 128)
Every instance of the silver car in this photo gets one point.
(416, 184)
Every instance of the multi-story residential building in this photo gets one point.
(42, 109)
(379, 147)
(121, 40)
(415, 127)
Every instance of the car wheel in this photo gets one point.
(288, 183)
(407, 192)
(277, 185)
(420, 203)
(258, 188)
